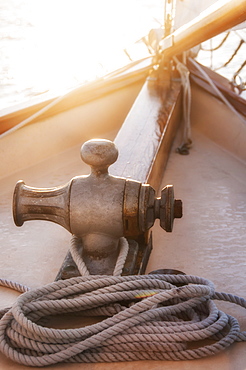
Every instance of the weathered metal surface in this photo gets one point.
(69, 268)
(144, 255)
(98, 208)
(41, 204)
(130, 210)
(169, 208)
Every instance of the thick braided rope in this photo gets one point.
(148, 317)
(12, 285)
(76, 252)
(123, 252)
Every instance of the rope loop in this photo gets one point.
(76, 249)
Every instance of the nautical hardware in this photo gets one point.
(98, 208)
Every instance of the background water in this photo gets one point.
(53, 45)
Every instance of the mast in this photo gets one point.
(169, 14)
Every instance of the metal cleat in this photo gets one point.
(99, 208)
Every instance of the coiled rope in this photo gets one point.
(147, 318)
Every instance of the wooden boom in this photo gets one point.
(218, 18)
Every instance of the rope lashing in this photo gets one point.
(185, 79)
(148, 317)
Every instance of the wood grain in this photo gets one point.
(145, 138)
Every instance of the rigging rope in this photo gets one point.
(241, 85)
(216, 90)
(185, 80)
(218, 46)
(232, 56)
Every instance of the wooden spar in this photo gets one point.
(218, 18)
(145, 138)
(144, 142)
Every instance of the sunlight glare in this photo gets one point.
(76, 40)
